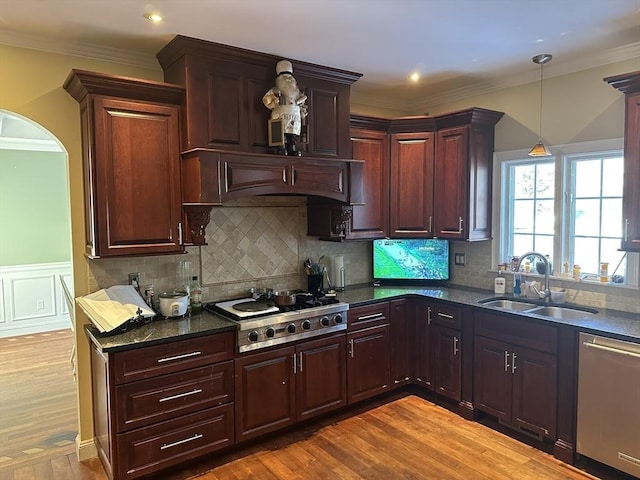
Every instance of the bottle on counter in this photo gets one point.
(517, 284)
(195, 295)
(499, 284)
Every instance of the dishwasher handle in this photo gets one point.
(611, 349)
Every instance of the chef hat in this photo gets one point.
(284, 66)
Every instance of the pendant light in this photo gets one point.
(540, 149)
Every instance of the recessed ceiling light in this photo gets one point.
(153, 17)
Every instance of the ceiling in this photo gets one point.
(460, 47)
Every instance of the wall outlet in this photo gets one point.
(134, 279)
(39, 304)
(459, 259)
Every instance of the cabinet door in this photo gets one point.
(371, 220)
(265, 392)
(424, 358)
(631, 188)
(321, 378)
(412, 164)
(492, 378)
(447, 354)
(134, 177)
(450, 183)
(400, 321)
(368, 370)
(534, 391)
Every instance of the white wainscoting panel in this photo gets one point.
(32, 298)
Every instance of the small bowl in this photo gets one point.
(558, 296)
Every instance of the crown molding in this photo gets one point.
(13, 38)
(30, 144)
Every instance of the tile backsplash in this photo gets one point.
(262, 242)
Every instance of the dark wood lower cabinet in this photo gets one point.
(280, 387)
(368, 366)
(513, 382)
(401, 320)
(422, 344)
(447, 346)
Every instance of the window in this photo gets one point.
(568, 206)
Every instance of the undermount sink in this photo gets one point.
(508, 304)
(551, 311)
(562, 313)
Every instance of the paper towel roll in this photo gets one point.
(338, 272)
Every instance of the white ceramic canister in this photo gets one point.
(173, 304)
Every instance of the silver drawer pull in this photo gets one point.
(445, 315)
(180, 395)
(369, 317)
(197, 436)
(179, 357)
(611, 349)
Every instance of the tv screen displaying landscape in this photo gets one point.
(411, 259)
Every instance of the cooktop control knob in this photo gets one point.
(291, 328)
(270, 332)
(253, 336)
(306, 325)
(337, 319)
(324, 321)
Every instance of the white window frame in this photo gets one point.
(560, 154)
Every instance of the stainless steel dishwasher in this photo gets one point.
(609, 402)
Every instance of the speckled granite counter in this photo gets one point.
(623, 325)
(161, 331)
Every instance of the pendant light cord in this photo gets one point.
(540, 119)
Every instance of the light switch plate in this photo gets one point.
(459, 259)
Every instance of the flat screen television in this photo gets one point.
(409, 260)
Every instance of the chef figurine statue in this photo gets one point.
(287, 102)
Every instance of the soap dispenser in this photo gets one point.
(499, 284)
(517, 284)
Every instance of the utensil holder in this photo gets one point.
(315, 283)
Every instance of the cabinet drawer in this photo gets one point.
(169, 396)
(368, 316)
(446, 315)
(154, 448)
(517, 331)
(148, 362)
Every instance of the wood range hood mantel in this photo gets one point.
(225, 145)
(210, 177)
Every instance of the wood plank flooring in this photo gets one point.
(401, 437)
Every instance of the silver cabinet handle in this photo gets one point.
(180, 442)
(428, 315)
(300, 368)
(369, 317)
(179, 357)
(295, 363)
(351, 348)
(180, 233)
(455, 346)
(181, 395)
(626, 229)
(430, 224)
(506, 361)
(445, 315)
(513, 362)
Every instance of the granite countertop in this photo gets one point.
(613, 323)
(622, 325)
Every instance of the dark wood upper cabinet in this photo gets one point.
(131, 151)
(629, 84)
(224, 89)
(463, 174)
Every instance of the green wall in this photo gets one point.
(34, 208)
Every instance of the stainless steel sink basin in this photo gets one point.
(561, 313)
(508, 304)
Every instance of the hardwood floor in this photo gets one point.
(401, 437)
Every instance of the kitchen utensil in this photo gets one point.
(558, 296)
(261, 292)
(314, 283)
(173, 304)
(284, 298)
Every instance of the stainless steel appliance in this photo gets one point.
(609, 402)
(261, 324)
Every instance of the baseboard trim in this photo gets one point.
(86, 449)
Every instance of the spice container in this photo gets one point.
(604, 272)
(576, 272)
